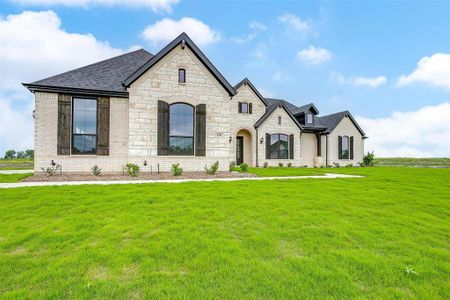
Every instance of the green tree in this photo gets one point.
(21, 154)
(10, 154)
(29, 153)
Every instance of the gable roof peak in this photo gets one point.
(183, 39)
(247, 82)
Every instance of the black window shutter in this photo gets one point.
(200, 130)
(250, 108)
(103, 126)
(351, 147)
(291, 146)
(319, 145)
(267, 146)
(163, 128)
(64, 118)
(239, 107)
(340, 147)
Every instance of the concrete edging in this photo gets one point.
(33, 184)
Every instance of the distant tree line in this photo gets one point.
(12, 154)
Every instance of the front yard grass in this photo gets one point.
(383, 236)
(285, 171)
(13, 177)
(16, 164)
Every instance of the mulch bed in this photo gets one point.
(143, 176)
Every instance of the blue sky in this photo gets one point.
(358, 56)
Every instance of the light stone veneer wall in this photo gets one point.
(161, 83)
(45, 138)
(345, 127)
(308, 149)
(271, 126)
(245, 122)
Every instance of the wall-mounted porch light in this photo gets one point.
(230, 139)
(261, 140)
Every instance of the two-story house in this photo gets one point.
(176, 107)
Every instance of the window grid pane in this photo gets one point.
(181, 129)
(84, 127)
(279, 146)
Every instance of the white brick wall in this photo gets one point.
(46, 129)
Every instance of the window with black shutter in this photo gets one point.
(84, 126)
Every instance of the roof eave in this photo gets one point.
(78, 91)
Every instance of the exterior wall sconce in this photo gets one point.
(145, 163)
(53, 163)
(230, 139)
(261, 140)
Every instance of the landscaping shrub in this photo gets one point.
(349, 165)
(265, 165)
(244, 167)
(232, 165)
(336, 165)
(368, 160)
(177, 170)
(280, 165)
(132, 169)
(50, 171)
(96, 170)
(213, 169)
(289, 164)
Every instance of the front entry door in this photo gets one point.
(239, 150)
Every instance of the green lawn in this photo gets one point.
(16, 164)
(13, 177)
(285, 171)
(413, 162)
(307, 238)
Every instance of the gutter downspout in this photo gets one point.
(256, 141)
(326, 151)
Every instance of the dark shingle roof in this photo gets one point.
(289, 105)
(106, 75)
(332, 120)
(305, 108)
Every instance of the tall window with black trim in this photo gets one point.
(181, 129)
(344, 150)
(84, 126)
(279, 146)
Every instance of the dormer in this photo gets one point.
(305, 114)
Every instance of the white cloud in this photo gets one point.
(371, 82)
(421, 133)
(34, 46)
(257, 26)
(279, 76)
(168, 29)
(294, 23)
(155, 5)
(434, 70)
(314, 56)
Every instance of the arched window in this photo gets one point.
(181, 129)
(345, 152)
(279, 146)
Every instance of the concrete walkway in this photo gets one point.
(16, 171)
(31, 184)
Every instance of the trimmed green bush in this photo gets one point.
(132, 169)
(177, 170)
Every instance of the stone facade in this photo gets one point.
(345, 127)
(271, 126)
(161, 83)
(133, 124)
